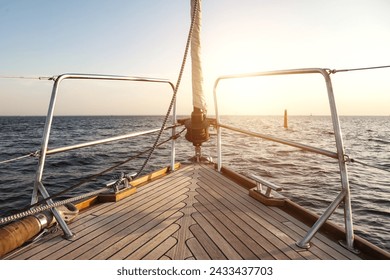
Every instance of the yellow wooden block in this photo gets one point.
(114, 197)
(269, 201)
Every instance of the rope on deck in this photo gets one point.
(45, 207)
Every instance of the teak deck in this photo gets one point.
(192, 213)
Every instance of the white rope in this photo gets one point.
(186, 50)
(334, 71)
(27, 78)
(35, 154)
(42, 208)
(368, 165)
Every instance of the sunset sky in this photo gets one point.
(147, 38)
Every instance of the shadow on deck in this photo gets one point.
(192, 213)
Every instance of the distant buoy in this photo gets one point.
(285, 119)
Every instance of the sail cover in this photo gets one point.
(198, 98)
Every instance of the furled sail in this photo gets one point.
(198, 96)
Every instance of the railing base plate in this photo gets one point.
(351, 249)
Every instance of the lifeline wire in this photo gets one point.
(26, 78)
(334, 71)
(34, 154)
(368, 165)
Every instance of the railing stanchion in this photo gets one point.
(344, 195)
(173, 145)
(219, 131)
(38, 185)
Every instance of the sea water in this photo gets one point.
(309, 179)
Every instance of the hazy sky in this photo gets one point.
(147, 38)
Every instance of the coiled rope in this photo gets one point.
(195, 12)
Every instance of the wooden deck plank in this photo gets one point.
(197, 250)
(226, 232)
(125, 246)
(324, 243)
(147, 190)
(151, 226)
(288, 217)
(252, 238)
(218, 239)
(44, 242)
(315, 249)
(147, 244)
(158, 253)
(181, 251)
(38, 251)
(257, 221)
(109, 211)
(273, 223)
(326, 247)
(237, 191)
(104, 223)
(238, 228)
(192, 213)
(207, 244)
(275, 226)
(256, 231)
(268, 248)
(114, 238)
(99, 209)
(279, 219)
(111, 225)
(51, 239)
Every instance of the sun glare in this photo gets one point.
(271, 95)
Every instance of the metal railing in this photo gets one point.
(344, 195)
(38, 185)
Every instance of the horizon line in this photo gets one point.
(225, 115)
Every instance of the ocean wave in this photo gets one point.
(310, 180)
